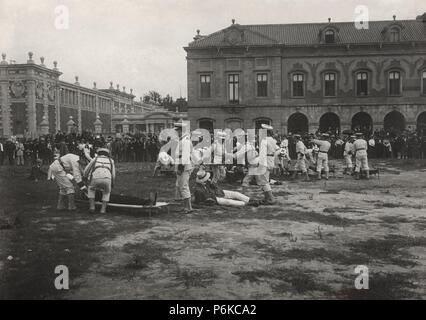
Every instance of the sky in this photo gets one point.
(139, 43)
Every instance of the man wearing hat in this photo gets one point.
(183, 165)
(359, 148)
(65, 170)
(322, 161)
(272, 150)
(206, 192)
(300, 152)
(347, 154)
(100, 174)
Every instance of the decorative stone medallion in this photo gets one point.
(18, 89)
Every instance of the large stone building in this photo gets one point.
(34, 101)
(305, 77)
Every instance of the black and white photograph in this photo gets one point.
(236, 151)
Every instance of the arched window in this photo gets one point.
(258, 122)
(394, 83)
(207, 124)
(424, 82)
(394, 35)
(330, 84)
(329, 36)
(298, 84)
(362, 83)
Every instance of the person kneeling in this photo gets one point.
(100, 173)
(206, 192)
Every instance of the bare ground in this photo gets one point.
(307, 246)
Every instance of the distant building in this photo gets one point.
(307, 77)
(34, 101)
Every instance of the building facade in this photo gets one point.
(34, 101)
(306, 77)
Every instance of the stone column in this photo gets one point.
(5, 108)
(70, 125)
(44, 126)
(345, 126)
(80, 125)
(31, 108)
(58, 106)
(313, 127)
(45, 109)
(98, 125)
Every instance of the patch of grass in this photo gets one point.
(322, 254)
(284, 280)
(148, 252)
(229, 254)
(195, 278)
(389, 249)
(393, 219)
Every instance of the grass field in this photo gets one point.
(306, 246)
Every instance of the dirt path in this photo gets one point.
(307, 246)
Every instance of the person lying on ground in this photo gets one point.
(208, 193)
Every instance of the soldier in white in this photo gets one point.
(100, 173)
(359, 148)
(322, 162)
(347, 154)
(284, 155)
(256, 169)
(218, 149)
(65, 170)
(300, 152)
(272, 151)
(183, 165)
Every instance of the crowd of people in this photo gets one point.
(88, 160)
(143, 147)
(381, 144)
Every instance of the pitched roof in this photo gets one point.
(308, 33)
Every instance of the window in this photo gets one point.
(394, 35)
(205, 81)
(206, 124)
(233, 81)
(298, 85)
(424, 82)
(262, 85)
(362, 83)
(330, 84)
(329, 36)
(394, 83)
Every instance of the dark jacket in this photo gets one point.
(207, 193)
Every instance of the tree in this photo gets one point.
(167, 101)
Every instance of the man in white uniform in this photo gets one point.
(272, 151)
(100, 173)
(65, 170)
(360, 148)
(183, 165)
(322, 161)
(347, 154)
(300, 152)
(256, 169)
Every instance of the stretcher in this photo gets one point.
(159, 206)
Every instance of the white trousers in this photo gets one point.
(233, 199)
(322, 162)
